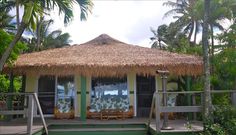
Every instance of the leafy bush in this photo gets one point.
(223, 122)
(5, 40)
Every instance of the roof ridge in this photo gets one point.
(103, 39)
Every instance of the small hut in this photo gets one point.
(101, 70)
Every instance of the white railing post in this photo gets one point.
(29, 112)
(152, 109)
(157, 106)
(30, 115)
(40, 112)
(194, 104)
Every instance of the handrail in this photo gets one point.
(152, 109)
(196, 92)
(159, 108)
(40, 112)
(17, 94)
(223, 91)
(32, 97)
(180, 92)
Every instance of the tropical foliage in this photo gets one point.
(5, 40)
(33, 10)
(44, 39)
(5, 84)
(206, 16)
(223, 123)
(190, 13)
(188, 16)
(6, 22)
(171, 39)
(224, 62)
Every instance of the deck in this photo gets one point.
(18, 126)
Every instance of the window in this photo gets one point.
(65, 94)
(109, 93)
(109, 87)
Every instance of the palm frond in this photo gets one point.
(218, 26)
(6, 6)
(173, 12)
(173, 4)
(85, 8)
(153, 31)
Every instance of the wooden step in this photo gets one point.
(98, 129)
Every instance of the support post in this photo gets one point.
(157, 105)
(83, 98)
(194, 104)
(202, 101)
(164, 74)
(10, 97)
(188, 88)
(152, 109)
(40, 112)
(30, 115)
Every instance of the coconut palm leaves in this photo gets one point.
(6, 22)
(33, 9)
(43, 39)
(85, 7)
(159, 39)
(187, 15)
(56, 39)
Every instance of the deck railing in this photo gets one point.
(159, 108)
(28, 111)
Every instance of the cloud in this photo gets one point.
(128, 21)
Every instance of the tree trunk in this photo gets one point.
(195, 34)
(212, 49)
(28, 9)
(205, 45)
(17, 14)
(159, 41)
(38, 33)
(191, 33)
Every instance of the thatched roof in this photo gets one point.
(105, 56)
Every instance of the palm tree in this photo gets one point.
(205, 47)
(43, 39)
(37, 8)
(56, 39)
(219, 10)
(41, 32)
(159, 38)
(6, 22)
(188, 18)
(169, 38)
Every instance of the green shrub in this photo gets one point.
(223, 122)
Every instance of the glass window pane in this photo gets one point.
(65, 94)
(109, 93)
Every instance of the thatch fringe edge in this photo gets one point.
(108, 71)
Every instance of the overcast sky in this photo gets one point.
(125, 20)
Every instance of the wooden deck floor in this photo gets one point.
(18, 126)
(182, 126)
